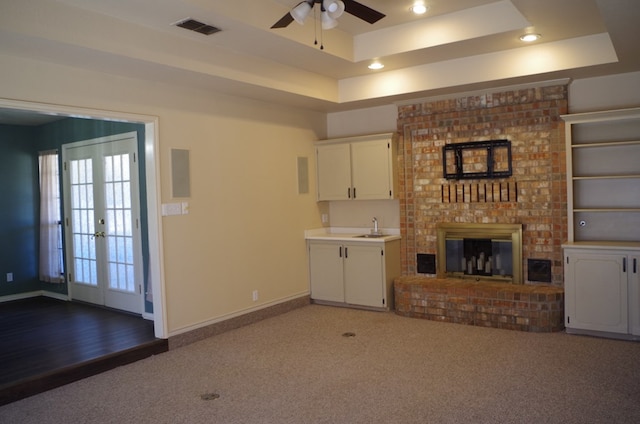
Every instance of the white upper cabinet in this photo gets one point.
(334, 171)
(357, 168)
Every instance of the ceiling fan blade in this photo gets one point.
(283, 22)
(363, 12)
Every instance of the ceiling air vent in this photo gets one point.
(197, 26)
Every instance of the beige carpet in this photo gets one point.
(300, 368)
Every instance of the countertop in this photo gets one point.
(351, 234)
(603, 245)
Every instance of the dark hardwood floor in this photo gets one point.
(46, 343)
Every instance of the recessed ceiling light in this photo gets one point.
(376, 65)
(419, 8)
(528, 38)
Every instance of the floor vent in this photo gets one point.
(209, 396)
(197, 26)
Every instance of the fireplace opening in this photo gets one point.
(480, 251)
(482, 257)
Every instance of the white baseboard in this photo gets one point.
(37, 293)
(53, 295)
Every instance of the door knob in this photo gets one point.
(99, 234)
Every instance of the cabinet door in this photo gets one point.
(363, 275)
(371, 169)
(326, 271)
(334, 172)
(634, 294)
(596, 292)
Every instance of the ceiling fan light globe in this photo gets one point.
(335, 8)
(327, 21)
(300, 12)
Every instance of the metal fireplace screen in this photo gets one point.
(479, 257)
(480, 251)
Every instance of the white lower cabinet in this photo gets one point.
(326, 271)
(634, 294)
(602, 290)
(358, 274)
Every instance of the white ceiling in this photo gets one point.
(458, 45)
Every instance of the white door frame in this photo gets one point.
(156, 276)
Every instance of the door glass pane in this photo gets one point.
(126, 194)
(82, 215)
(119, 223)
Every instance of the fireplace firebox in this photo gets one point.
(480, 251)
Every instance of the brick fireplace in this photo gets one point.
(533, 196)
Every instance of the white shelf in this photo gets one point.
(606, 177)
(578, 145)
(577, 210)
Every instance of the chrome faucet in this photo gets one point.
(375, 225)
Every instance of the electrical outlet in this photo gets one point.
(255, 295)
(9, 277)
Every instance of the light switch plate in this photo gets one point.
(171, 209)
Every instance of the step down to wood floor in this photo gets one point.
(12, 392)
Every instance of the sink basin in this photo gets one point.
(371, 236)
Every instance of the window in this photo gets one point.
(51, 266)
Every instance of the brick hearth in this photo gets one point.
(533, 308)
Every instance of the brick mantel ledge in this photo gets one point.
(523, 307)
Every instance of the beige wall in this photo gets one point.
(603, 93)
(245, 227)
(374, 120)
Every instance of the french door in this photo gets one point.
(102, 221)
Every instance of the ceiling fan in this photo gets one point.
(331, 10)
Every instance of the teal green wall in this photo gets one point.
(18, 210)
(19, 147)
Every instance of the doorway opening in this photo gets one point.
(150, 123)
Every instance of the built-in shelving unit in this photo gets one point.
(603, 175)
(602, 255)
